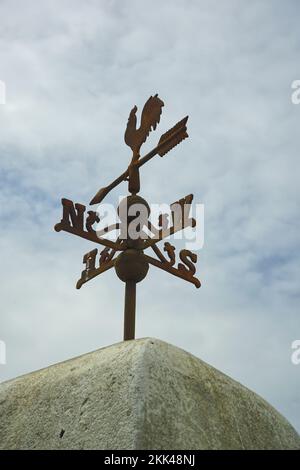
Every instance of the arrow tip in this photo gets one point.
(98, 197)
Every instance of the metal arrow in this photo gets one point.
(168, 140)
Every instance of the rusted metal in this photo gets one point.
(176, 272)
(167, 141)
(129, 310)
(131, 264)
(88, 274)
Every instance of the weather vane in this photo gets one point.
(136, 232)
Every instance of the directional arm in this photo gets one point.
(106, 262)
(88, 275)
(161, 234)
(183, 274)
(91, 236)
(73, 221)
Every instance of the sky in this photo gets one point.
(73, 70)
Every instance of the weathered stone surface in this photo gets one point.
(142, 394)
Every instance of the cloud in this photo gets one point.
(73, 71)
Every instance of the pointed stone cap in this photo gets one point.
(141, 394)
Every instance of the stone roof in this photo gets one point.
(140, 394)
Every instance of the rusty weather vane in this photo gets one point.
(136, 232)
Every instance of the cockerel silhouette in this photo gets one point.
(151, 113)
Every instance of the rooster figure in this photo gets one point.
(134, 137)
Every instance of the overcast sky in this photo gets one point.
(73, 70)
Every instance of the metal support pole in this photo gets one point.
(129, 311)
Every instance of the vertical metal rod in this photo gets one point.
(129, 311)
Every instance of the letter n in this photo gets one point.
(72, 215)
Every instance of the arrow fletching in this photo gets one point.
(172, 137)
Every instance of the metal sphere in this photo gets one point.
(131, 265)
